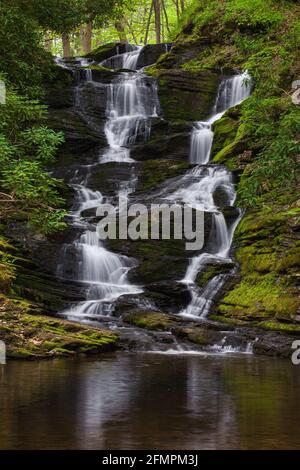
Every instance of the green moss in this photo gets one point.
(277, 326)
(157, 171)
(212, 270)
(38, 336)
(234, 147)
(225, 130)
(151, 320)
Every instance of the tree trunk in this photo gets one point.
(120, 27)
(66, 45)
(131, 30)
(182, 5)
(148, 24)
(157, 20)
(86, 37)
(166, 15)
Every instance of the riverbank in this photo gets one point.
(29, 335)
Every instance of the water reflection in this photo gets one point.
(150, 401)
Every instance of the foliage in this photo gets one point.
(26, 145)
(24, 149)
(263, 37)
(23, 60)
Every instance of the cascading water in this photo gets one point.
(200, 194)
(232, 91)
(132, 102)
(127, 60)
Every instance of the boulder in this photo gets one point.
(150, 53)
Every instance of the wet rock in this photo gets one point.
(79, 137)
(169, 296)
(60, 89)
(185, 96)
(151, 320)
(167, 140)
(230, 213)
(200, 335)
(158, 171)
(150, 53)
(106, 51)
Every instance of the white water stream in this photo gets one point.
(131, 102)
(200, 194)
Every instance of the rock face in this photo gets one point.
(185, 96)
(150, 53)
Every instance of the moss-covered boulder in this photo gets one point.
(151, 320)
(186, 96)
(155, 172)
(34, 336)
(106, 51)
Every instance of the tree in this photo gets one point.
(156, 4)
(60, 16)
(98, 13)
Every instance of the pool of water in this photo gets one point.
(150, 401)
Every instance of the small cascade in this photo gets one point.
(127, 60)
(201, 142)
(132, 102)
(232, 92)
(200, 194)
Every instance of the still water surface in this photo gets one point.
(150, 401)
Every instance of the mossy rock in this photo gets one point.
(231, 148)
(225, 130)
(37, 336)
(212, 270)
(199, 335)
(106, 51)
(184, 96)
(151, 320)
(157, 171)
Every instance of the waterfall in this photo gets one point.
(127, 60)
(201, 142)
(132, 101)
(104, 273)
(131, 104)
(232, 91)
